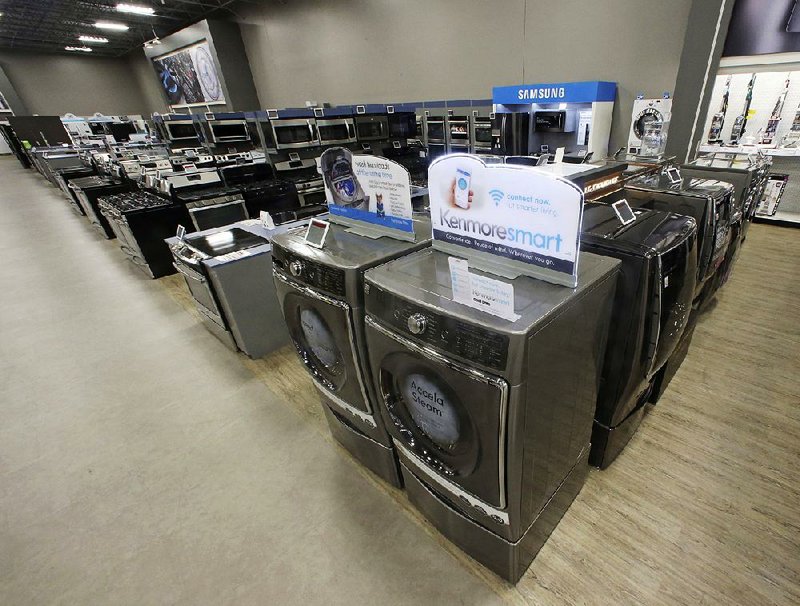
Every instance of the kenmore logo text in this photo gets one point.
(511, 234)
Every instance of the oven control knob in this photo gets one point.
(417, 323)
(296, 268)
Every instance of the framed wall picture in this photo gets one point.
(188, 76)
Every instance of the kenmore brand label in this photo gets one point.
(518, 213)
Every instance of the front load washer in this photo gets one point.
(321, 293)
(652, 306)
(491, 418)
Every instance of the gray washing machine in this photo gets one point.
(491, 418)
(321, 293)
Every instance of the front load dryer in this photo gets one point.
(491, 418)
(652, 306)
(321, 293)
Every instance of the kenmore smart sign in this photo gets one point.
(518, 213)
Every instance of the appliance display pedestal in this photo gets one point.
(376, 457)
(508, 560)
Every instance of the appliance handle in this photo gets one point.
(312, 129)
(350, 130)
(190, 274)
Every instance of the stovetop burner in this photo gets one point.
(131, 201)
(205, 193)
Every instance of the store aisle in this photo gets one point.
(143, 463)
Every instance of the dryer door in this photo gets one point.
(322, 332)
(451, 417)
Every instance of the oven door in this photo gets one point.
(451, 417)
(321, 329)
(294, 134)
(372, 128)
(199, 286)
(336, 131)
(313, 197)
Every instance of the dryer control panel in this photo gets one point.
(447, 334)
(316, 275)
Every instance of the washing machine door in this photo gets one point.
(322, 332)
(451, 417)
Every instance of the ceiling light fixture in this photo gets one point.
(83, 49)
(120, 27)
(136, 9)
(93, 39)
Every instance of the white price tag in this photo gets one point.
(559, 155)
(492, 296)
(266, 219)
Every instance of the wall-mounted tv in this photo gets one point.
(188, 76)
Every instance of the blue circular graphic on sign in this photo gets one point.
(346, 187)
(462, 183)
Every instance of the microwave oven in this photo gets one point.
(554, 121)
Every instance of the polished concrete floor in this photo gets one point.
(143, 463)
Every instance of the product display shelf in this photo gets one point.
(788, 214)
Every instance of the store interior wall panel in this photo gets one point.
(353, 51)
(10, 94)
(51, 84)
(702, 50)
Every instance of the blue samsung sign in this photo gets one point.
(558, 92)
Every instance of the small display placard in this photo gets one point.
(518, 216)
(367, 189)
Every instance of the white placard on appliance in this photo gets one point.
(674, 175)
(559, 157)
(624, 212)
(584, 126)
(489, 295)
(266, 219)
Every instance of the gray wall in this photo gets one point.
(352, 51)
(52, 84)
(702, 50)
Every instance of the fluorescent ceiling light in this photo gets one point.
(121, 27)
(83, 49)
(93, 39)
(135, 9)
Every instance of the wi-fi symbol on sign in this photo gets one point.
(497, 195)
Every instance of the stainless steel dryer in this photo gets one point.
(491, 418)
(321, 293)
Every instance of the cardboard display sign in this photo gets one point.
(367, 190)
(515, 217)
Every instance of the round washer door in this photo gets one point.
(320, 331)
(450, 418)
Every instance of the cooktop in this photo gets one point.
(224, 242)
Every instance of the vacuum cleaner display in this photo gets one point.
(707, 202)
(652, 306)
(491, 418)
(740, 123)
(718, 120)
(768, 134)
(321, 293)
(229, 274)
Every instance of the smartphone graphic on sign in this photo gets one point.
(463, 180)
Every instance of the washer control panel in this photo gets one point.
(446, 334)
(322, 277)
